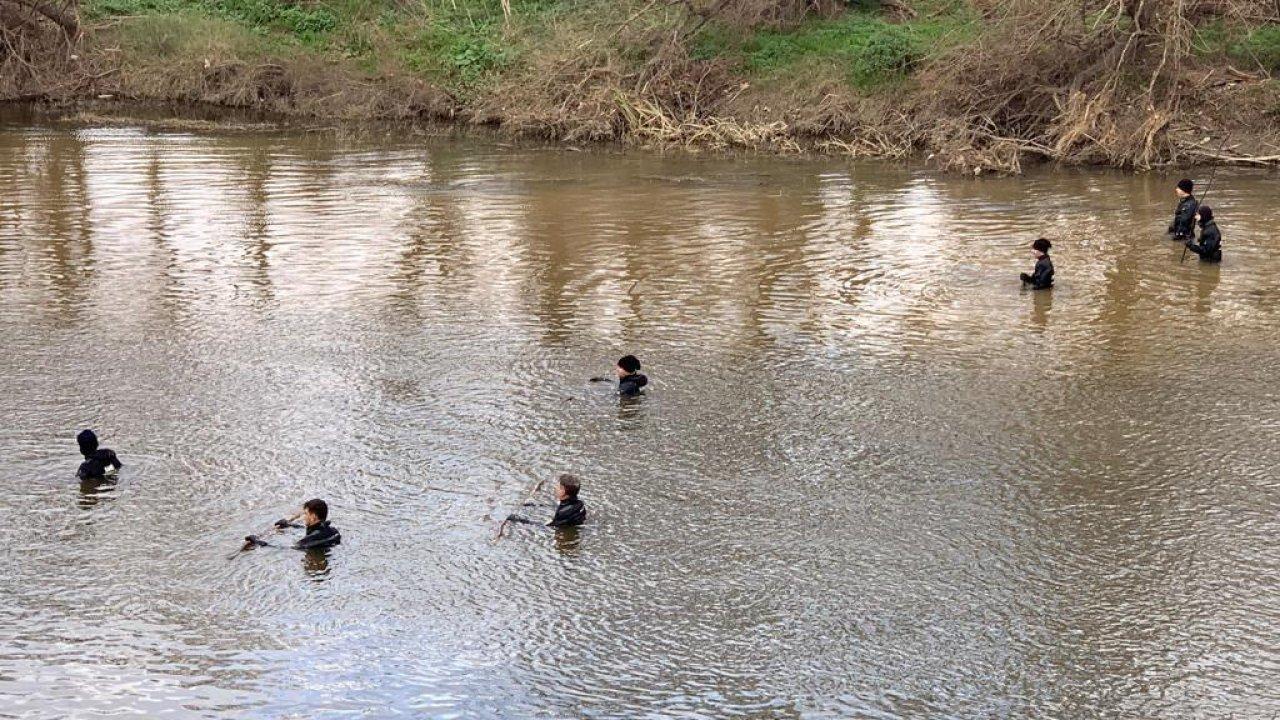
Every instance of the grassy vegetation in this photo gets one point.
(876, 77)
(1249, 48)
(461, 44)
(1260, 47)
(456, 43)
(860, 48)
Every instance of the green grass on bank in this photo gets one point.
(1249, 49)
(861, 48)
(456, 43)
(465, 45)
(462, 44)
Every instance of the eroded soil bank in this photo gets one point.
(972, 85)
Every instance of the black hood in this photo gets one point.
(87, 441)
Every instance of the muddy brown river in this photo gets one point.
(872, 477)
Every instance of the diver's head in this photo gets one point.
(88, 442)
(567, 487)
(628, 365)
(314, 511)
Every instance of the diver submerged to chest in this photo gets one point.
(1209, 245)
(1041, 277)
(1183, 226)
(570, 510)
(315, 521)
(631, 382)
(97, 460)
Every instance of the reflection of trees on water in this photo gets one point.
(160, 212)
(255, 168)
(65, 235)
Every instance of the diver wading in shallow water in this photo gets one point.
(570, 510)
(1183, 226)
(1041, 278)
(1209, 248)
(315, 519)
(96, 459)
(631, 381)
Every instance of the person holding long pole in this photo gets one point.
(1209, 248)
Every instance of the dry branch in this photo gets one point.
(63, 17)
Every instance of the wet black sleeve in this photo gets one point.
(1211, 241)
(568, 515)
(1042, 277)
(632, 385)
(114, 461)
(520, 519)
(318, 541)
(1184, 218)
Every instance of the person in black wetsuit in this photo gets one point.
(1183, 226)
(1210, 246)
(570, 510)
(315, 518)
(1042, 277)
(96, 459)
(630, 380)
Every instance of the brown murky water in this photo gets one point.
(873, 478)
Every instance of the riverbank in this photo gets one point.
(969, 84)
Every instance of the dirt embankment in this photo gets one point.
(971, 84)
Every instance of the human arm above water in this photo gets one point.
(1042, 277)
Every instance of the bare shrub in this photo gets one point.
(1093, 80)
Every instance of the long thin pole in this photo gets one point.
(502, 527)
(1199, 204)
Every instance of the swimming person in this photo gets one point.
(570, 510)
(1042, 277)
(315, 518)
(1210, 246)
(1183, 226)
(96, 459)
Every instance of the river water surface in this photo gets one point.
(872, 478)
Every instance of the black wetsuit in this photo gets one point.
(96, 463)
(632, 384)
(320, 535)
(569, 513)
(1184, 218)
(1210, 246)
(1042, 277)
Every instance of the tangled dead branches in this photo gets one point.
(1097, 80)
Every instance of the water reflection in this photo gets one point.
(94, 491)
(1041, 304)
(1208, 275)
(871, 479)
(315, 563)
(569, 541)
